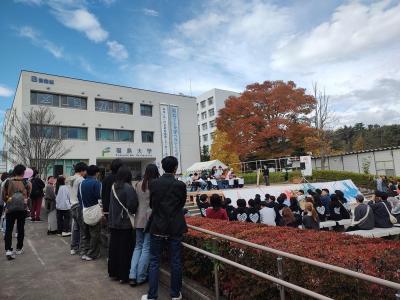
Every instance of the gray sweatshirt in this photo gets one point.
(359, 212)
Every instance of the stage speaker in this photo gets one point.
(302, 166)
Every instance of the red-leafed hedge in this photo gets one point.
(377, 257)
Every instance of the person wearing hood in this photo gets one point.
(79, 241)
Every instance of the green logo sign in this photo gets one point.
(105, 150)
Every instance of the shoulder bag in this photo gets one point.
(131, 216)
(392, 218)
(93, 214)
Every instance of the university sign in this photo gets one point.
(127, 152)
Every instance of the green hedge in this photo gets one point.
(360, 180)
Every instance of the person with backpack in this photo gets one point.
(36, 196)
(15, 194)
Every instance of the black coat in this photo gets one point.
(253, 216)
(106, 191)
(118, 218)
(381, 215)
(167, 200)
(37, 188)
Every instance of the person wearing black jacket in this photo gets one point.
(107, 183)
(37, 195)
(229, 208)
(253, 215)
(381, 208)
(167, 226)
(122, 235)
(240, 213)
(202, 204)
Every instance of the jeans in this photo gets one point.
(63, 220)
(141, 256)
(79, 239)
(93, 232)
(18, 216)
(156, 247)
(36, 207)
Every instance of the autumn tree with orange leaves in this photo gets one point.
(268, 120)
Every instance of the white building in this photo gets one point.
(101, 122)
(208, 105)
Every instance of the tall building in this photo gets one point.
(208, 105)
(101, 122)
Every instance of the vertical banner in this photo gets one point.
(175, 138)
(305, 165)
(165, 136)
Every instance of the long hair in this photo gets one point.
(60, 182)
(310, 207)
(123, 176)
(288, 216)
(150, 174)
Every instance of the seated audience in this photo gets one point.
(310, 218)
(337, 211)
(267, 214)
(202, 204)
(240, 213)
(253, 215)
(294, 206)
(288, 218)
(229, 208)
(320, 208)
(381, 209)
(394, 201)
(216, 211)
(325, 199)
(363, 216)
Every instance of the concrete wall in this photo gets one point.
(381, 162)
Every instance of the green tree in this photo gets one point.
(204, 153)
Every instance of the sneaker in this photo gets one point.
(65, 234)
(19, 251)
(74, 252)
(10, 255)
(87, 258)
(144, 297)
(178, 298)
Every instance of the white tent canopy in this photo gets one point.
(205, 165)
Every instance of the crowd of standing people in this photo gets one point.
(143, 218)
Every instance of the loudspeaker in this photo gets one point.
(302, 166)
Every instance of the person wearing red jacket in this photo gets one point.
(216, 211)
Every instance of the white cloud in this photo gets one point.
(30, 2)
(150, 12)
(83, 21)
(5, 91)
(35, 37)
(117, 50)
(354, 29)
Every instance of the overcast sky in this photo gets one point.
(352, 48)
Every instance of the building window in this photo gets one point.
(146, 110)
(113, 106)
(212, 136)
(45, 99)
(203, 104)
(56, 132)
(210, 101)
(48, 99)
(204, 126)
(205, 137)
(147, 137)
(73, 133)
(211, 112)
(41, 131)
(73, 102)
(114, 135)
(212, 124)
(203, 115)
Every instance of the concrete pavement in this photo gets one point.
(46, 270)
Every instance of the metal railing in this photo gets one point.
(279, 281)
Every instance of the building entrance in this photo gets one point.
(136, 166)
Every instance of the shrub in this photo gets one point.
(360, 180)
(375, 257)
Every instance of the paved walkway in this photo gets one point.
(46, 270)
